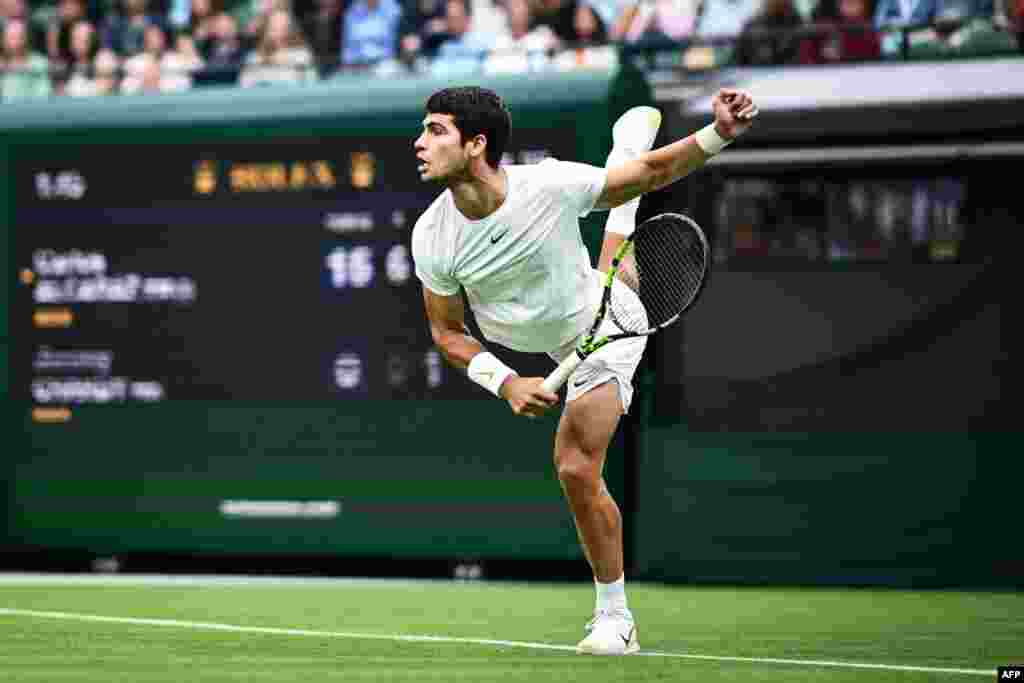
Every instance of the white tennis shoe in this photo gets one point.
(634, 131)
(610, 633)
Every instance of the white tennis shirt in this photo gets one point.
(525, 269)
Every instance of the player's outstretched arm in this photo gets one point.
(447, 318)
(734, 112)
(446, 315)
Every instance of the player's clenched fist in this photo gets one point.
(526, 396)
(734, 112)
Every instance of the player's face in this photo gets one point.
(440, 154)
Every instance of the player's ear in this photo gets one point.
(478, 145)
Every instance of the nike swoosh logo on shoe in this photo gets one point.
(627, 639)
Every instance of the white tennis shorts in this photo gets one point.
(616, 360)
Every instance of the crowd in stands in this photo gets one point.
(101, 47)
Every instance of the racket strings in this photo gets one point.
(625, 307)
(664, 270)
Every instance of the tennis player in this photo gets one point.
(510, 237)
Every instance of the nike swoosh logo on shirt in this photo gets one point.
(495, 238)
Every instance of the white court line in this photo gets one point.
(189, 580)
(200, 625)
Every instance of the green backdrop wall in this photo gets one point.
(383, 474)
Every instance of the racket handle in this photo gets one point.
(559, 375)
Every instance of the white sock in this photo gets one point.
(611, 597)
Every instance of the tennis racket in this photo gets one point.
(664, 265)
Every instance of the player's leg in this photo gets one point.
(598, 393)
(581, 446)
(632, 135)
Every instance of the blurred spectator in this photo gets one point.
(85, 43)
(36, 20)
(100, 79)
(409, 61)
(370, 32)
(559, 16)
(150, 77)
(322, 28)
(663, 20)
(179, 14)
(202, 18)
(807, 9)
(1001, 13)
(611, 12)
(173, 70)
(622, 17)
(846, 33)
(124, 32)
(187, 56)
(423, 27)
(13, 9)
(590, 30)
(521, 49)
(722, 18)
(222, 50)
(905, 12)
(211, 28)
(959, 26)
(590, 51)
(253, 16)
(185, 50)
(282, 55)
(58, 33)
(933, 27)
(769, 38)
(1015, 17)
(464, 51)
(84, 46)
(899, 13)
(25, 73)
(489, 17)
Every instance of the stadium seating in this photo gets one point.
(66, 47)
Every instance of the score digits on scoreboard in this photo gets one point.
(63, 184)
(227, 272)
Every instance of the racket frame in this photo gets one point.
(589, 344)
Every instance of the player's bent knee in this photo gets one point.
(578, 475)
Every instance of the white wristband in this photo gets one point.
(710, 141)
(486, 370)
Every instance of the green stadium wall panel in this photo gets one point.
(266, 463)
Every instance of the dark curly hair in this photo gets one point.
(476, 111)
